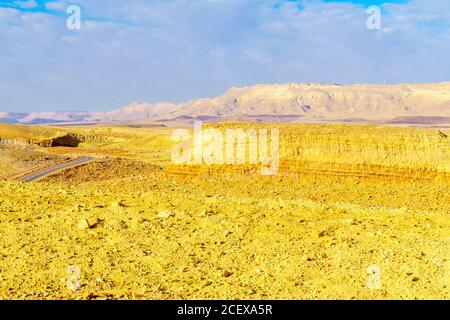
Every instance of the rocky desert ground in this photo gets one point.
(355, 212)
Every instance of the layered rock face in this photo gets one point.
(366, 151)
(361, 151)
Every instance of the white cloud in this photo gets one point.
(27, 4)
(178, 49)
(8, 14)
(57, 5)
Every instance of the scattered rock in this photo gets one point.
(118, 204)
(165, 214)
(207, 283)
(211, 212)
(84, 224)
(226, 274)
(88, 224)
(80, 207)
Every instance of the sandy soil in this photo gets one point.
(135, 230)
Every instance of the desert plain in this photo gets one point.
(354, 212)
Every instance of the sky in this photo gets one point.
(177, 50)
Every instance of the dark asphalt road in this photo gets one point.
(39, 174)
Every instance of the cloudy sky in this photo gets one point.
(175, 50)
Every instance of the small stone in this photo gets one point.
(118, 204)
(165, 214)
(211, 212)
(202, 213)
(226, 274)
(91, 296)
(84, 224)
(207, 283)
(322, 234)
(79, 207)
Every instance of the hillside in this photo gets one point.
(373, 102)
(400, 104)
(347, 198)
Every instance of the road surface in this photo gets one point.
(42, 173)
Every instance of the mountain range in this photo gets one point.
(289, 102)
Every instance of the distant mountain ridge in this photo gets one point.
(44, 117)
(285, 102)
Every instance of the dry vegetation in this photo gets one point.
(346, 198)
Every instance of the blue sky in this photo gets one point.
(175, 50)
(40, 4)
